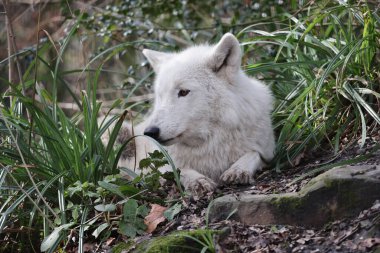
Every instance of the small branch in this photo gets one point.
(35, 73)
(9, 47)
(12, 48)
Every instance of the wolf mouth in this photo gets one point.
(167, 141)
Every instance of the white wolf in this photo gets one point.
(213, 118)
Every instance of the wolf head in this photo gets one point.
(193, 91)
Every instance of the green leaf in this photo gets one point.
(51, 239)
(171, 212)
(142, 210)
(129, 190)
(74, 189)
(105, 208)
(144, 163)
(130, 210)
(99, 229)
(111, 187)
(127, 229)
(133, 222)
(75, 213)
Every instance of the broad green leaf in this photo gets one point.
(127, 229)
(171, 212)
(130, 210)
(111, 187)
(51, 239)
(105, 208)
(100, 229)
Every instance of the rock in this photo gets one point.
(338, 193)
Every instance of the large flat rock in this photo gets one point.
(338, 193)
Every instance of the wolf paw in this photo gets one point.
(201, 186)
(235, 175)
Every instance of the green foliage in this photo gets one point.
(57, 175)
(171, 212)
(51, 240)
(181, 21)
(57, 167)
(153, 162)
(323, 75)
(133, 219)
(180, 241)
(206, 240)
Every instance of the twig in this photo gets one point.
(35, 73)
(18, 230)
(12, 47)
(347, 234)
(9, 48)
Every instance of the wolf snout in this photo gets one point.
(153, 132)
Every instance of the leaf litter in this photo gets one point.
(358, 234)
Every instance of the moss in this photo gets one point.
(344, 189)
(348, 193)
(123, 246)
(174, 242)
(287, 204)
(329, 182)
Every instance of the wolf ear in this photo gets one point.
(226, 54)
(156, 58)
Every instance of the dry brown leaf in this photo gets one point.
(155, 217)
(370, 242)
(110, 241)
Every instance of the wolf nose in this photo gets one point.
(153, 132)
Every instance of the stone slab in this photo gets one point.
(338, 193)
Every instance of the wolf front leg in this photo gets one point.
(242, 171)
(196, 183)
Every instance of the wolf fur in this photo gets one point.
(213, 119)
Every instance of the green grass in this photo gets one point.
(324, 75)
(57, 175)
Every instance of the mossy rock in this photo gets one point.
(339, 193)
(181, 241)
(123, 247)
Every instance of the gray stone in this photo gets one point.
(338, 193)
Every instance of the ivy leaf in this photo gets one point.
(133, 222)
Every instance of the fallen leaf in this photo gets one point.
(301, 241)
(155, 217)
(88, 247)
(370, 242)
(110, 241)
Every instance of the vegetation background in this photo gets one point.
(63, 64)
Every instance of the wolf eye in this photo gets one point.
(183, 93)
